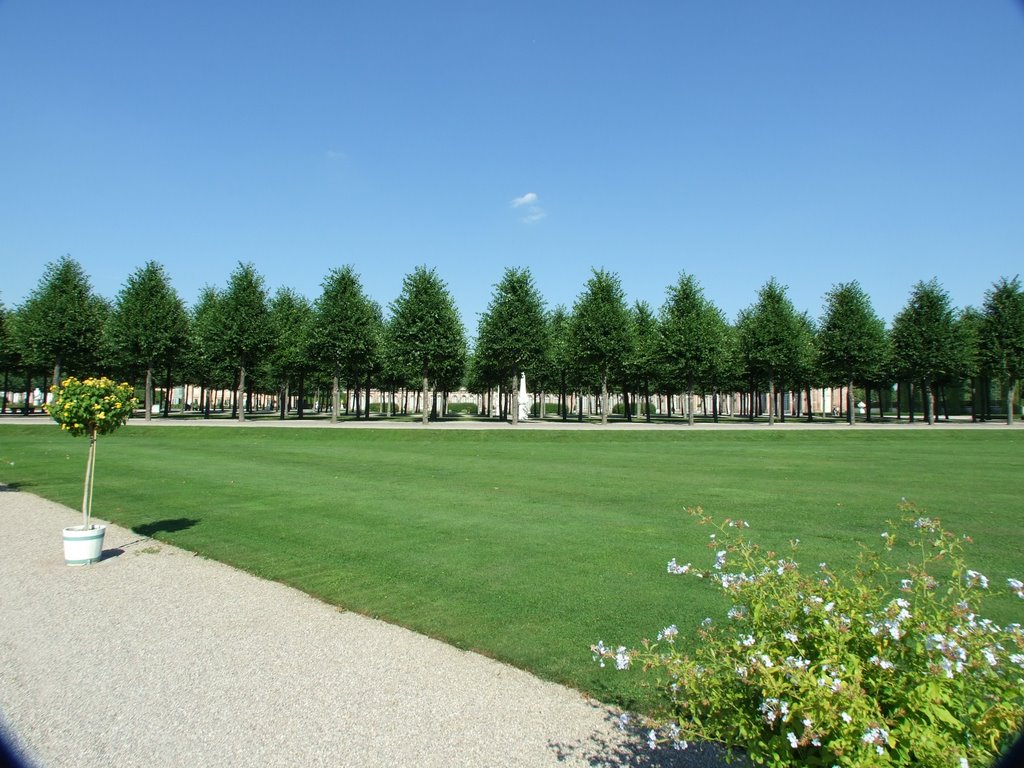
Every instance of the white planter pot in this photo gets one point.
(83, 545)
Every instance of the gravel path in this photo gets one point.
(154, 656)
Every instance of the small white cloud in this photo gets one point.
(529, 201)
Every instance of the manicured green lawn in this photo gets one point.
(527, 546)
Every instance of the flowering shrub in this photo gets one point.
(881, 664)
(93, 406)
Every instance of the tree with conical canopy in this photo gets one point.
(344, 332)
(927, 342)
(246, 338)
(291, 319)
(691, 337)
(148, 325)
(851, 341)
(770, 334)
(60, 325)
(599, 331)
(425, 334)
(1002, 336)
(511, 339)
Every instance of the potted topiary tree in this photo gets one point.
(91, 407)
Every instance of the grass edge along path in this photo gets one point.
(525, 546)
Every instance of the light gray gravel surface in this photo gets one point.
(156, 657)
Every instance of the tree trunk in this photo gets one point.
(810, 410)
(850, 417)
(627, 405)
(149, 393)
(167, 393)
(425, 413)
(689, 401)
(929, 401)
(514, 408)
(335, 398)
(3, 407)
(771, 401)
(604, 397)
(910, 400)
(368, 398)
(56, 376)
(238, 407)
(1010, 389)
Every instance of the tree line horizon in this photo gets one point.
(244, 339)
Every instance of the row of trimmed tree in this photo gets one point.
(243, 339)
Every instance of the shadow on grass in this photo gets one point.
(165, 526)
(12, 487)
(632, 751)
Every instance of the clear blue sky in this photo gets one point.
(817, 142)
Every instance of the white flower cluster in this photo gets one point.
(975, 579)
(1017, 587)
(796, 663)
(675, 568)
(621, 658)
(773, 709)
(737, 612)
(669, 633)
(927, 524)
(953, 654)
(877, 736)
(602, 652)
(892, 624)
(880, 662)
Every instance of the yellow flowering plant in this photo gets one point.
(94, 406)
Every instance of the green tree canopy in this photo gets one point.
(344, 331)
(927, 345)
(599, 331)
(771, 335)
(691, 337)
(148, 325)
(291, 321)
(511, 338)
(60, 325)
(851, 343)
(425, 334)
(1002, 336)
(246, 337)
(644, 366)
